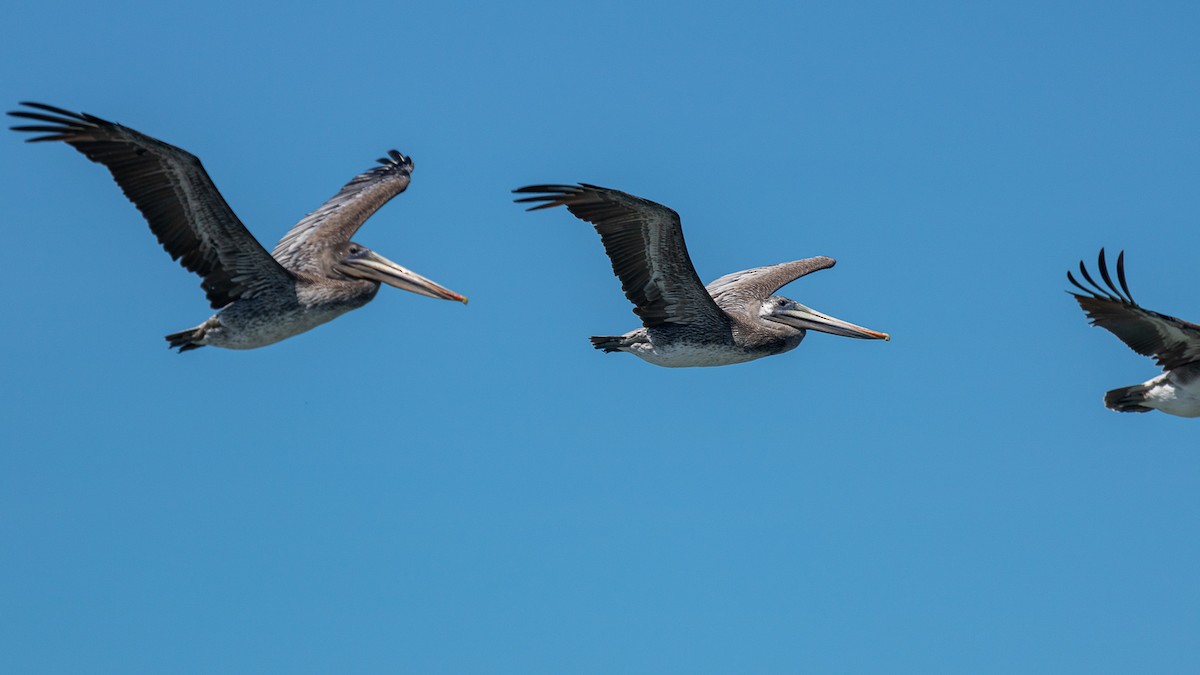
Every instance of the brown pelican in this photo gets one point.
(1174, 344)
(315, 273)
(734, 319)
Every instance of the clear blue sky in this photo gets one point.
(422, 487)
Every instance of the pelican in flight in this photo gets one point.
(1174, 344)
(315, 273)
(735, 319)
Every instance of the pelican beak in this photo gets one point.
(806, 318)
(371, 265)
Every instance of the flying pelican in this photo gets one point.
(1174, 344)
(315, 273)
(735, 319)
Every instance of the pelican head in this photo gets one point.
(359, 262)
(791, 313)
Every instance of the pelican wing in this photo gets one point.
(644, 241)
(172, 190)
(760, 283)
(1172, 342)
(339, 218)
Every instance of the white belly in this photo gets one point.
(236, 330)
(1170, 395)
(691, 356)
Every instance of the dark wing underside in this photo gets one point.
(759, 283)
(172, 190)
(1172, 342)
(339, 218)
(644, 241)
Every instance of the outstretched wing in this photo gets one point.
(176, 196)
(339, 218)
(1172, 342)
(644, 241)
(759, 283)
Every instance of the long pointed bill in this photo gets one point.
(374, 266)
(799, 316)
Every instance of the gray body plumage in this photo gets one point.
(1174, 344)
(315, 273)
(270, 317)
(734, 319)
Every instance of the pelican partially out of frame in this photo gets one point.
(1174, 344)
(735, 319)
(315, 273)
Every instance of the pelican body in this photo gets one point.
(315, 273)
(1174, 344)
(735, 319)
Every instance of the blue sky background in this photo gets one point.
(422, 487)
